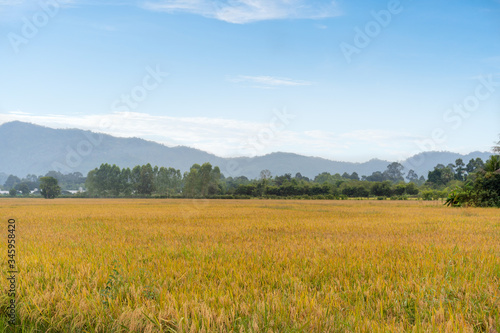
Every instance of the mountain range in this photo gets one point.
(32, 149)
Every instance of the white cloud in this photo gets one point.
(228, 137)
(246, 11)
(269, 81)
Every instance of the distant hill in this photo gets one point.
(32, 149)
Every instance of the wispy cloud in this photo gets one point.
(268, 81)
(246, 11)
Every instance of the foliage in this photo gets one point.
(482, 190)
(23, 188)
(11, 182)
(49, 187)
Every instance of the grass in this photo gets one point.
(252, 266)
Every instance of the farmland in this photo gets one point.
(98, 265)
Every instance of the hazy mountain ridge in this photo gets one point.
(32, 149)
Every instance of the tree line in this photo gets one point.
(474, 183)
(206, 181)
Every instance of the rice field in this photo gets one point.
(252, 266)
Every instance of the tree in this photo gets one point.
(355, 191)
(145, 184)
(49, 187)
(447, 175)
(202, 180)
(168, 181)
(483, 190)
(11, 181)
(265, 174)
(280, 180)
(411, 189)
(441, 175)
(412, 176)
(191, 181)
(12, 192)
(324, 177)
(23, 188)
(205, 178)
(460, 169)
(215, 177)
(394, 172)
(126, 181)
(376, 176)
(492, 165)
(474, 165)
(381, 189)
(113, 180)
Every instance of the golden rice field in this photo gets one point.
(252, 266)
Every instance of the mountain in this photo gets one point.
(32, 149)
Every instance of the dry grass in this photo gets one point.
(254, 266)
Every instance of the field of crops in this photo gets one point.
(252, 266)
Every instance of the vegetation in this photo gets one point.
(463, 184)
(211, 266)
(482, 190)
(49, 187)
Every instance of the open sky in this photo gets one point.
(344, 80)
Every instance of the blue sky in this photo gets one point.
(344, 80)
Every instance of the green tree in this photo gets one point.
(205, 179)
(12, 192)
(126, 181)
(23, 188)
(474, 165)
(482, 190)
(324, 177)
(441, 175)
(381, 189)
(394, 172)
(113, 180)
(91, 183)
(11, 182)
(492, 165)
(412, 176)
(376, 176)
(49, 187)
(460, 169)
(168, 181)
(265, 174)
(202, 181)
(192, 182)
(104, 181)
(145, 185)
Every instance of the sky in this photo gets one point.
(343, 80)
